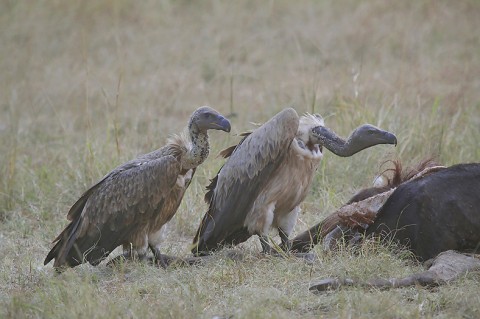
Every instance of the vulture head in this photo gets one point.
(205, 118)
(304, 136)
(361, 138)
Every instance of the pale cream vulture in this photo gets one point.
(268, 175)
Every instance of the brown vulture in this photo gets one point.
(267, 176)
(130, 204)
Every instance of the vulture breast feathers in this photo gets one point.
(240, 191)
(130, 204)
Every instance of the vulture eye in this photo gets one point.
(207, 115)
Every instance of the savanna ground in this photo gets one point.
(87, 85)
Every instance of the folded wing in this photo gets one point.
(238, 183)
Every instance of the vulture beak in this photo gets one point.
(388, 138)
(221, 123)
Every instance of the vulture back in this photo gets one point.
(240, 180)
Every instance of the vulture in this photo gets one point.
(129, 206)
(268, 175)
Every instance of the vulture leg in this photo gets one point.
(158, 257)
(286, 244)
(266, 248)
(286, 224)
(155, 239)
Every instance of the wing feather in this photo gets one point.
(114, 208)
(240, 180)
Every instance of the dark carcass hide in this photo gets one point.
(435, 211)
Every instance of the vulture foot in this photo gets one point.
(158, 258)
(126, 256)
(283, 250)
(266, 248)
(277, 250)
(286, 244)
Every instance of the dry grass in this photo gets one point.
(86, 85)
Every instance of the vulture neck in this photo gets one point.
(341, 147)
(199, 150)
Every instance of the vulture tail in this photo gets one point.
(62, 249)
(66, 240)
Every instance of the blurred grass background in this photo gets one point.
(87, 85)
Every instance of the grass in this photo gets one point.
(87, 85)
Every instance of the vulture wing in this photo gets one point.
(113, 209)
(238, 183)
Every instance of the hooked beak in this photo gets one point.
(389, 138)
(221, 123)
